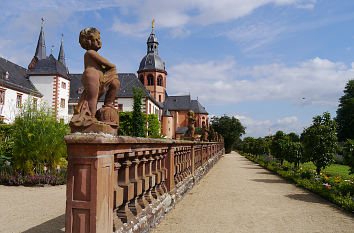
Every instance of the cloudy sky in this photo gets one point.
(274, 64)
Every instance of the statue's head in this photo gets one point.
(190, 113)
(90, 39)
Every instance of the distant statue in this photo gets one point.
(99, 75)
(191, 128)
(205, 134)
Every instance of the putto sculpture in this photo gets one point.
(99, 75)
(189, 135)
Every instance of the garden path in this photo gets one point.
(238, 195)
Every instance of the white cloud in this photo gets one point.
(317, 81)
(261, 128)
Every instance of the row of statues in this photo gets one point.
(205, 137)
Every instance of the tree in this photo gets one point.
(154, 126)
(349, 154)
(278, 146)
(345, 113)
(320, 141)
(125, 123)
(293, 149)
(230, 128)
(138, 119)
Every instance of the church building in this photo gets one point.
(48, 80)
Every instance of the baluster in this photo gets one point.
(151, 177)
(124, 212)
(155, 193)
(134, 179)
(117, 196)
(145, 181)
(164, 170)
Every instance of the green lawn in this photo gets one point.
(334, 169)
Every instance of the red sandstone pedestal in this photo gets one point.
(89, 191)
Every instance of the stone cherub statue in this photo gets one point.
(191, 128)
(99, 75)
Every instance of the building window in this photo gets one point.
(2, 96)
(19, 101)
(63, 85)
(71, 109)
(35, 103)
(159, 80)
(120, 107)
(159, 98)
(150, 79)
(62, 103)
(149, 108)
(141, 78)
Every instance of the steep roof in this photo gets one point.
(49, 65)
(183, 102)
(17, 78)
(41, 49)
(127, 82)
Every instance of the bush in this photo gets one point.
(154, 126)
(125, 123)
(6, 143)
(38, 139)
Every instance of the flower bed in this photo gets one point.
(337, 189)
(12, 177)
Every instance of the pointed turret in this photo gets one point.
(41, 49)
(61, 56)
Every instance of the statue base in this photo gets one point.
(98, 127)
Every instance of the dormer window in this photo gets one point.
(7, 74)
(80, 90)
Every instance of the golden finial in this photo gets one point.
(152, 25)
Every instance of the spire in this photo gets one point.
(61, 56)
(152, 43)
(41, 49)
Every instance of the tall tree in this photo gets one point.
(230, 128)
(320, 141)
(345, 113)
(138, 123)
(278, 146)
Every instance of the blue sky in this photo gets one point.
(274, 64)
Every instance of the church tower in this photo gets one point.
(152, 71)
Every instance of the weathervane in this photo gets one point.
(62, 35)
(42, 21)
(152, 25)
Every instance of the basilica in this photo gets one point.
(47, 80)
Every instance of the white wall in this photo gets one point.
(63, 94)
(44, 85)
(9, 109)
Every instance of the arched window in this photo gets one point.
(159, 80)
(150, 79)
(142, 79)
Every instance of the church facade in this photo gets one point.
(47, 80)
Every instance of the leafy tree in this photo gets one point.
(230, 128)
(320, 141)
(125, 123)
(38, 139)
(294, 152)
(154, 126)
(345, 113)
(349, 154)
(138, 119)
(294, 137)
(248, 144)
(278, 146)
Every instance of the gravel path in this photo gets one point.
(32, 209)
(240, 196)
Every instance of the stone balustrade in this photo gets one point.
(119, 184)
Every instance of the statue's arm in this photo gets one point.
(103, 62)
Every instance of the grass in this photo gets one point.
(334, 169)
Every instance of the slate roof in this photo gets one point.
(151, 61)
(49, 65)
(181, 130)
(127, 82)
(17, 77)
(183, 102)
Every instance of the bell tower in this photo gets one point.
(152, 72)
